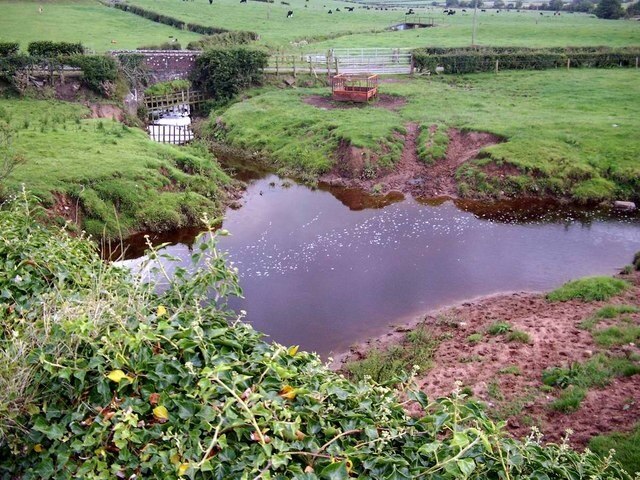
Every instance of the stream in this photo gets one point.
(324, 268)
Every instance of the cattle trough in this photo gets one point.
(354, 87)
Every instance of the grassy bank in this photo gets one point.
(369, 28)
(105, 176)
(97, 27)
(568, 133)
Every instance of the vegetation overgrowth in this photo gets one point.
(568, 133)
(103, 376)
(106, 177)
(98, 28)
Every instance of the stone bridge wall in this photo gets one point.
(167, 65)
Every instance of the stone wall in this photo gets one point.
(165, 65)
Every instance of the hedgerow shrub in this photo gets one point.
(9, 48)
(474, 60)
(103, 376)
(223, 73)
(54, 49)
(98, 71)
(225, 39)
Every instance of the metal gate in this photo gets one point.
(372, 60)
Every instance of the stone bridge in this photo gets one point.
(165, 65)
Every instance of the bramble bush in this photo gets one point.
(104, 376)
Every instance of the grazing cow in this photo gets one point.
(330, 12)
(210, 2)
(290, 14)
(497, 11)
(350, 9)
(243, 1)
(483, 10)
(542, 13)
(464, 11)
(451, 12)
(338, 9)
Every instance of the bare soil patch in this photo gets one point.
(105, 110)
(410, 175)
(66, 207)
(390, 102)
(556, 341)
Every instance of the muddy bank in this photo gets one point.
(410, 174)
(556, 340)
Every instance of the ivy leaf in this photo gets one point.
(161, 413)
(118, 375)
(335, 471)
(466, 466)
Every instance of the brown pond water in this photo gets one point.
(328, 267)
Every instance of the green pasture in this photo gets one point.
(569, 133)
(368, 28)
(124, 181)
(86, 21)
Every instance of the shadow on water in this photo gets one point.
(326, 267)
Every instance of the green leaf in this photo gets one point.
(335, 471)
(466, 466)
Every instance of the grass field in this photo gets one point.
(124, 181)
(312, 22)
(573, 132)
(85, 21)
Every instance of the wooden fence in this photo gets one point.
(160, 103)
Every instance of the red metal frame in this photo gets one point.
(354, 88)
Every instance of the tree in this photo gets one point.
(452, 3)
(498, 4)
(634, 8)
(609, 9)
(556, 5)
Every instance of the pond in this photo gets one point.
(324, 268)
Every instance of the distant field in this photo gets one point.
(84, 21)
(312, 22)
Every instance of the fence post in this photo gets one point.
(568, 63)
(636, 62)
(496, 66)
(276, 64)
(412, 66)
(336, 60)
(294, 67)
(328, 58)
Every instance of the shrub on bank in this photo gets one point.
(9, 48)
(223, 73)
(104, 377)
(99, 72)
(225, 39)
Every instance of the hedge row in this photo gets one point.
(167, 20)
(97, 70)
(9, 48)
(223, 40)
(54, 49)
(484, 60)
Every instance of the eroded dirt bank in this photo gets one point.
(507, 375)
(410, 174)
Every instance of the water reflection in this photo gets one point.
(322, 269)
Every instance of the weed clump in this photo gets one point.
(590, 289)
